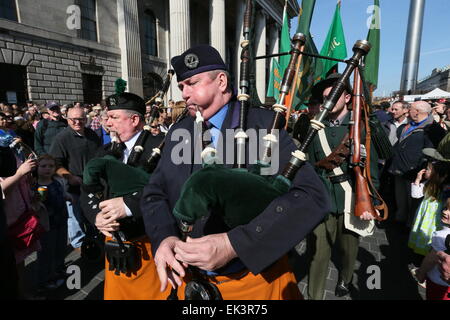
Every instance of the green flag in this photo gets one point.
(308, 66)
(334, 45)
(285, 42)
(275, 80)
(371, 61)
(283, 61)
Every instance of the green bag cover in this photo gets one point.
(236, 194)
(121, 178)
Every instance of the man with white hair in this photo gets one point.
(421, 132)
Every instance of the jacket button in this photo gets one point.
(279, 209)
(259, 229)
(148, 199)
(296, 194)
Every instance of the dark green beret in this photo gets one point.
(126, 101)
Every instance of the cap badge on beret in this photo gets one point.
(191, 60)
(112, 101)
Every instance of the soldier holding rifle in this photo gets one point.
(329, 152)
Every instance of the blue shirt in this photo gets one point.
(216, 121)
(413, 125)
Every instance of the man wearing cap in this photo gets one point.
(47, 129)
(125, 119)
(249, 261)
(337, 228)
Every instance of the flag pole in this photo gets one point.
(290, 96)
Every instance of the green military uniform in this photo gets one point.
(320, 242)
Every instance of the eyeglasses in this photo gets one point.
(153, 127)
(77, 119)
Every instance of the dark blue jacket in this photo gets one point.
(285, 222)
(408, 157)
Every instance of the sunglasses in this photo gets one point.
(77, 119)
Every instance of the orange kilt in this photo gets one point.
(141, 285)
(276, 283)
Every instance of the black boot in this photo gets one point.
(342, 289)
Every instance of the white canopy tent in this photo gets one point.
(434, 94)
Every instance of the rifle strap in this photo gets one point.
(382, 207)
(351, 222)
(336, 157)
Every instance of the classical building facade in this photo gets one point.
(74, 50)
(439, 78)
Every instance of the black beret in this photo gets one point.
(126, 101)
(196, 60)
(330, 80)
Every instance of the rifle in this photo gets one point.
(361, 166)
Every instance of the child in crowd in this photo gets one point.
(436, 288)
(427, 215)
(51, 188)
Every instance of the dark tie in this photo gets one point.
(207, 126)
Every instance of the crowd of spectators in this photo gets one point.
(414, 181)
(63, 139)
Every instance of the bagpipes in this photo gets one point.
(238, 195)
(196, 198)
(122, 179)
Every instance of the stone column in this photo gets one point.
(180, 39)
(217, 26)
(130, 46)
(260, 50)
(274, 34)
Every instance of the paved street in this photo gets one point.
(386, 249)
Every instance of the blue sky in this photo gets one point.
(435, 46)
